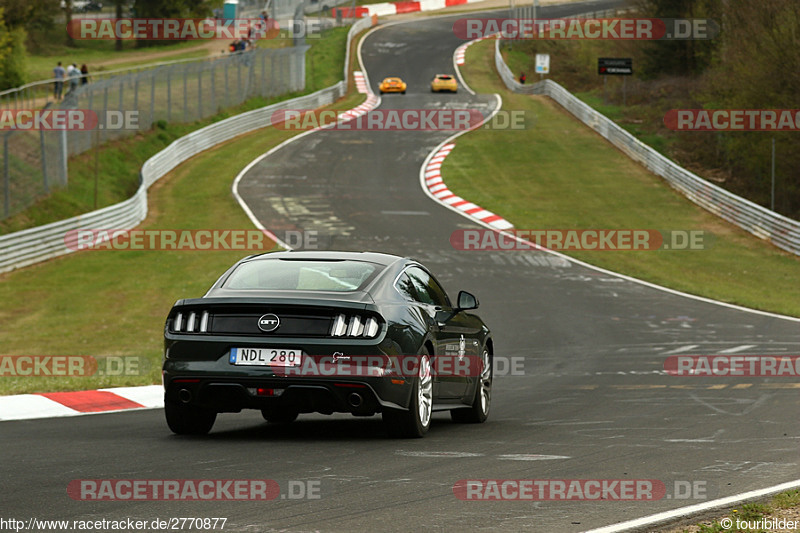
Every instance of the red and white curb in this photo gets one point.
(369, 104)
(396, 8)
(437, 187)
(461, 51)
(361, 82)
(75, 403)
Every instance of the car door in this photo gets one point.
(455, 339)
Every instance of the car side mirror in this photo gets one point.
(466, 301)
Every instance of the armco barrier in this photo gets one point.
(30, 246)
(781, 231)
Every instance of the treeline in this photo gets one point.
(754, 63)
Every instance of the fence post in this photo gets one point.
(200, 92)
(185, 96)
(44, 162)
(169, 95)
(213, 88)
(152, 100)
(105, 106)
(6, 178)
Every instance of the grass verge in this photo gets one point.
(559, 174)
(783, 506)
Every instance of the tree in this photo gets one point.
(681, 57)
(170, 9)
(13, 56)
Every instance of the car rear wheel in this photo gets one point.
(279, 417)
(478, 412)
(188, 419)
(415, 422)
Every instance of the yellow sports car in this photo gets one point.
(444, 82)
(393, 85)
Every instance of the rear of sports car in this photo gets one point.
(444, 82)
(281, 355)
(393, 85)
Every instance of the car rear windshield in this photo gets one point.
(302, 275)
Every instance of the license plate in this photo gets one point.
(266, 356)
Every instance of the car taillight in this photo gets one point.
(191, 322)
(354, 326)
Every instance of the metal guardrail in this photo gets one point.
(781, 231)
(33, 245)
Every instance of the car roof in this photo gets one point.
(327, 255)
(444, 75)
(392, 78)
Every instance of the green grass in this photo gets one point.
(751, 512)
(537, 181)
(92, 52)
(114, 303)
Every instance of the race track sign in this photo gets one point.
(542, 63)
(615, 66)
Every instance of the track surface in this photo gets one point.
(591, 392)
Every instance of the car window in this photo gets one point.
(405, 287)
(428, 291)
(280, 274)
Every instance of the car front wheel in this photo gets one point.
(188, 419)
(478, 412)
(415, 422)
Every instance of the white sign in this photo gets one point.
(542, 63)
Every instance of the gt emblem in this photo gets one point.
(269, 322)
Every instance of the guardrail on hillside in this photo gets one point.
(781, 231)
(33, 245)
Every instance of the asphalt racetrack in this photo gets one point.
(588, 400)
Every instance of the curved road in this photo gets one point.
(589, 403)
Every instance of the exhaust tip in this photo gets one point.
(185, 395)
(355, 399)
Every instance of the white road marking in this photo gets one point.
(682, 349)
(736, 349)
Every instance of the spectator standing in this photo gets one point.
(73, 73)
(58, 74)
(522, 78)
(84, 74)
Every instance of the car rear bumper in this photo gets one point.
(303, 396)
(203, 371)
